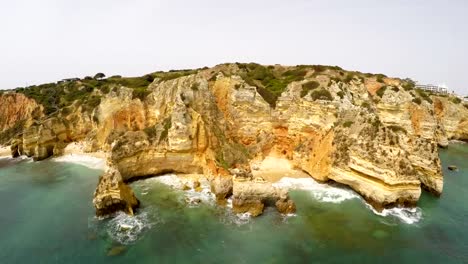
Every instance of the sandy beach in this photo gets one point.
(5, 151)
(273, 169)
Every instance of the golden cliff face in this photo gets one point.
(15, 108)
(378, 137)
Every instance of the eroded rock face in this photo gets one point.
(15, 108)
(374, 136)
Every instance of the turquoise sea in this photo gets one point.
(47, 217)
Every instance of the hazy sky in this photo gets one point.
(47, 40)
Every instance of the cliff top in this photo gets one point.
(270, 80)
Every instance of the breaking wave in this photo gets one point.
(335, 194)
(84, 160)
(127, 229)
(404, 214)
(322, 192)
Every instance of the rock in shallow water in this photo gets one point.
(286, 206)
(221, 186)
(116, 250)
(452, 167)
(113, 195)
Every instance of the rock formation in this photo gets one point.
(378, 135)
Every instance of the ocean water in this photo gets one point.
(47, 217)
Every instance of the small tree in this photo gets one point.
(99, 75)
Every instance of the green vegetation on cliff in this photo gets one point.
(88, 91)
(270, 82)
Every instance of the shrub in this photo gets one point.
(380, 78)
(195, 86)
(417, 100)
(93, 101)
(340, 94)
(395, 89)
(455, 100)
(366, 105)
(322, 94)
(319, 68)
(99, 75)
(309, 86)
(381, 91)
(336, 79)
(150, 131)
(349, 77)
(408, 84)
(149, 78)
(348, 123)
(167, 124)
(140, 93)
(424, 95)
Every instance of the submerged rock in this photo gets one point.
(116, 250)
(452, 167)
(196, 184)
(251, 197)
(252, 206)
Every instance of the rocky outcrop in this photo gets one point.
(112, 194)
(251, 197)
(377, 135)
(50, 136)
(222, 186)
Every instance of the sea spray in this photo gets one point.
(127, 229)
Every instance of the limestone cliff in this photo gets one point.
(377, 135)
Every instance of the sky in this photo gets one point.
(48, 40)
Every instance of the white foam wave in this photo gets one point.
(192, 196)
(455, 141)
(404, 214)
(333, 194)
(169, 179)
(242, 219)
(320, 191)
(84, 160)
(127, 229)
